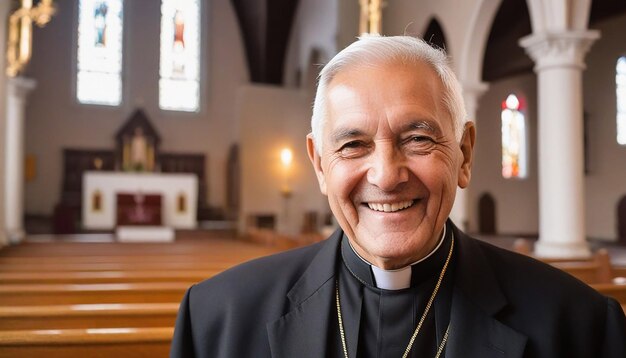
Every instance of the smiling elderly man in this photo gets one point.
(390, 144)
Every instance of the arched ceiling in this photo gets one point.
(265, 27)
(504, 57)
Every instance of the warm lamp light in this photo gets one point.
(286, 157)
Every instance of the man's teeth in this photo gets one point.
(390, 207)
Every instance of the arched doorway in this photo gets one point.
(434, 34)
(621, 220)
(233, 182)
(487, 214)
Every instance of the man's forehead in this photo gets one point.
(402, 94)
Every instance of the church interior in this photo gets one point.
(147, 145)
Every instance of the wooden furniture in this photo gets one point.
(138, 209)
(50, 294)
(192, 164)
(93, 342)
(178, 191)
(88, 316)
(68, 212)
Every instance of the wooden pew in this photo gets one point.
(84, 277)
(596, 270)
(88, 316)
(92, 342)
(51, 294)
(612, 290)
(223, 258)
(209, 248)
(113, 266)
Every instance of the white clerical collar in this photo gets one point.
(399, 278)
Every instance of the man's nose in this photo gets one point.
(387, 168)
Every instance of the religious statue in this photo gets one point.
(138, 152)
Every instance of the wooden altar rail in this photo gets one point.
(85, 277)
(51, 294)
(88, 316)
(92, 342)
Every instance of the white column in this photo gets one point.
(17, 91)
(559, 62)
(5, 7)
(461, 210)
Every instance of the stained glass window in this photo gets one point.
(513, 138)
(179, 83)
(99, 75)
(620, 80)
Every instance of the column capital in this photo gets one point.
(559, 49)
(20, 86)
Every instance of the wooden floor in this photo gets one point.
(86, 296)
(80, 297)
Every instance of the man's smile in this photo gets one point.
(391, 206)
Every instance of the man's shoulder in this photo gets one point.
(518, 273)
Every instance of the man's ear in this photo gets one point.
(316, 160)
(467, 149)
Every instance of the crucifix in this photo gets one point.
(20, 32)
(371, 19)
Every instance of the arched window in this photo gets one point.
(513, 138)
(99, 55)
(620, 81)
(179, 83)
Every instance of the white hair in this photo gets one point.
(375, 49)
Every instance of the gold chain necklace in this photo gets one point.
(419, 324)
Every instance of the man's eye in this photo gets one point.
(420, 139)
(353, 144)
(353, 149)
(419, 144)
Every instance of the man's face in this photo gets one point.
(390, 163)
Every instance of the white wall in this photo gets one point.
(267, 128)
(55, 121)
(606, 182)
(517, 200)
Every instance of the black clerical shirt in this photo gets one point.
(380, 322)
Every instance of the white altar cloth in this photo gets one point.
(173, 189)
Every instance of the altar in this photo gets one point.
(178, 197)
